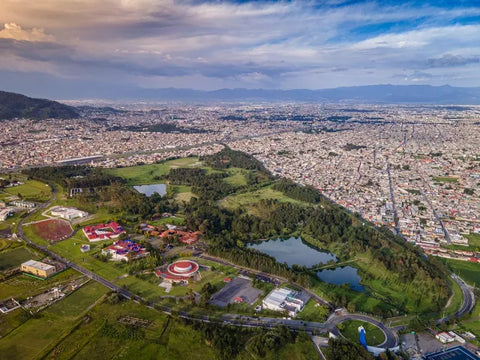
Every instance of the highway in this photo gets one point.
(468, 297)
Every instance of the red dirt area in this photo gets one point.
(53, 230)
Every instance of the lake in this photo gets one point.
(342, 275)
(293, 251)
(148, 190)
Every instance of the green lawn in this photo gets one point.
(146, 174)
(374, 335)
(313, 312)
(236, 177)
(251, 198)
(12, 258)
(32, 190)
(468, 271)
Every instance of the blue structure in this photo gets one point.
(363, 338)
(454, 353)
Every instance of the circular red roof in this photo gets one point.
(183, 268)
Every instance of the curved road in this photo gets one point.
(329, 326)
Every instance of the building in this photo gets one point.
(23, 204)
(179, 272)
(101, 232)
(125, 250)
(454, 353)
(5, 213)
(38, 268)
(68, 213)
(84, 248)
(283, 299)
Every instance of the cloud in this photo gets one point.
(240, 43)
(15, 32)
(449, 60)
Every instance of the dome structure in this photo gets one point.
(183, 268)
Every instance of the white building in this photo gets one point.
(445, 337)
(283, 299)
(23, 204)
(5, 213)
(68, 213)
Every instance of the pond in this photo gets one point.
(342, 275)
(293, 251)
(148, 190)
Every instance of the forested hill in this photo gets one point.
(20, 106)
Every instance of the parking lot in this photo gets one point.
(239, 287)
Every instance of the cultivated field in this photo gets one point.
(53, 229)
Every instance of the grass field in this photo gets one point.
(32, 190)
(182, 192)
(473, 240)
(457, 298)
(236, 177)
(312, 312)
(470, 272)
(374, 335)
(446, 179)
(11, 221)
(100, 336)
(245, 199)
(32, 235)
(146, 174)
(12, 258)
(9, 244)
(36, 335)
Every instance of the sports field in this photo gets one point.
(52, 229)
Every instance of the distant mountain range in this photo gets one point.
(392, 94)
(14, 105)
(19, 106)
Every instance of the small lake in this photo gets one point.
(293, 251)
(148, 190)
(342, 275)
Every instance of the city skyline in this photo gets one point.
(85, 46)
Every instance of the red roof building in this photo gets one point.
(101, 232)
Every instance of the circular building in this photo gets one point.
(179, 271)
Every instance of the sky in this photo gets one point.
(79, 48)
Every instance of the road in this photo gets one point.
(227, 319)
(394, 205)
(468, 297)
(236, 320)
(391, 338)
